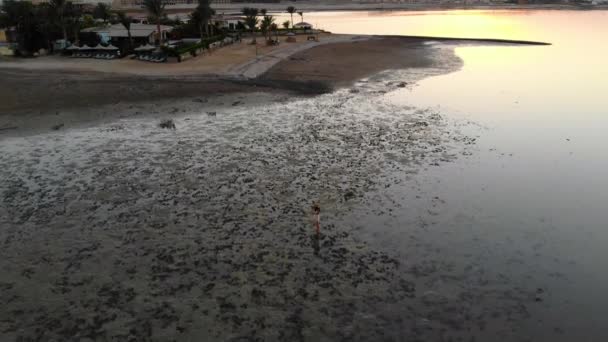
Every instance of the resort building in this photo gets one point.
(140, 33)
(229, 22)
(91, 3)
(303, 26)
(172, 4)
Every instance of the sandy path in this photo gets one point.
(259, 65)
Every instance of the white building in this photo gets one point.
(141, 33)
(91, 3)
(171, 4)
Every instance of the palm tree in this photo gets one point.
(301, 16)
(156, 10)
(286, 24)
(58, 8)
(266, 25)
(263, 11)
(275, 28)
(102, 11)
(291, 10)
(203, 15)
(195, 17)
(251, 20)
(45, 23)
(126, 21)
(21, 16)
(73, 17)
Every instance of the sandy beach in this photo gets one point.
(116, 229)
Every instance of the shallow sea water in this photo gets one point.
(528, 207)
(126, 230)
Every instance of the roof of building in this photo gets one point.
(229, 17)
(137, 30)
(302, 24)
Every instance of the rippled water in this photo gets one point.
(531, 203)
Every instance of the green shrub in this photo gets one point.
(191, 48)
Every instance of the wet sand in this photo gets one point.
(344, 63)
(117, 229)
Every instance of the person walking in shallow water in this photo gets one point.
(316, 213)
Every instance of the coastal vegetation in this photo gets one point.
(126, 21)
(291, 10)
(251, 20)
(102, 11)
(266, 26)
(202, 16)
(156, 10)
(34, 27)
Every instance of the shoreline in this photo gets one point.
(355, 7)
(42, 96)
(244, 69)
(468, 40)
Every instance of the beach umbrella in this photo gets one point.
(85, 47)
(73, 47)
(99, 47)
(111, 47)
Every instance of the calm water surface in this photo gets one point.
(532, 202)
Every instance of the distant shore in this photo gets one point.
(354, 6)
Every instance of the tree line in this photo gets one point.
(34, 27)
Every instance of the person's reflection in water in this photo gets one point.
(315, 243)
(316, 218)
